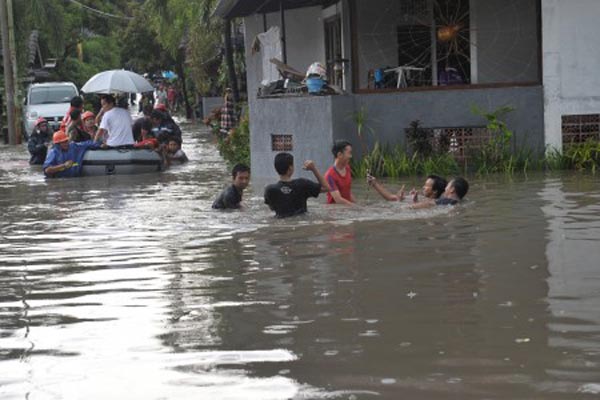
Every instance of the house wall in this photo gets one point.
(307, 119)
(504, 37)
(305, 38)
(571, 57)
(316, 121)
(389, 114)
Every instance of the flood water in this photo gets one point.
(132, 288)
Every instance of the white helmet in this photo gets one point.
(317, 69)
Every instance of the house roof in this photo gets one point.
(243, 8)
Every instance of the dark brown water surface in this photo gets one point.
(132, 288)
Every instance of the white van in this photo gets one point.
(50, 100)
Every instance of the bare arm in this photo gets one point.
(58, 168)
(423, 205)
(339, 199)
(309, 165)
(381, 189)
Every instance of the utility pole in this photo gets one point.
(9, 82)
(13, 59)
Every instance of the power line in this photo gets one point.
(98, 12)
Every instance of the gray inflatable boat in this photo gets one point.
(120, 162)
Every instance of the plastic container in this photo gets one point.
(315, 85)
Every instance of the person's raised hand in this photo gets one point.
(401, 195)
(415, 195)
(371, 180)
(309, 165)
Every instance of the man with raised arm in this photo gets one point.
(288, 196)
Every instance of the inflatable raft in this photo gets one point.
(120, 162)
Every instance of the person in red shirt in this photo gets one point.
(339, 175)
(172, 99)
(76, 104)
(148, 141)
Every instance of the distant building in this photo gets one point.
(427, 60)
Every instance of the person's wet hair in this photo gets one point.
(77, 102)
(339, 146)
(461, 186)
(147, 124)
(283, 162)
(239, 168)
(157, 114)
(439, 185)
(175, 140)
(75, 114)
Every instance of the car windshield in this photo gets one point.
(52, 95)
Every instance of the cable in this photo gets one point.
(98, 12)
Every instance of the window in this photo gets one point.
(412, 43)
(580, 128)
(282, 143)
(51, 95)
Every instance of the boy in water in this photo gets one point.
(288, 196)
(174, 152)
(433, 189)
(455, 191)
(231, 197)
(339, 175)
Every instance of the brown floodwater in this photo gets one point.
(133, 288)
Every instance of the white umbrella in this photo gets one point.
(117, 81)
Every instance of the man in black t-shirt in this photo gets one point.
(288, 196)
(231, 197)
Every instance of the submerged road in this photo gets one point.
(132, 287)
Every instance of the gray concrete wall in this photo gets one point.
(315, 122)
(571, 57)
(307, 119)
(209, 104)
(389, 114)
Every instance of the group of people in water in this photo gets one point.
(156, 130)
(61, 152)
(288, 197)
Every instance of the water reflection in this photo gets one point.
(132, 285)
(573, 298)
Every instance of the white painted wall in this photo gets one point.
(571, 62)
(504, 41)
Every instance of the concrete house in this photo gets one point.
(430, 60)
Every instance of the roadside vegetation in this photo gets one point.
(425, 154)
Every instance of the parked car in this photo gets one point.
(50, 100)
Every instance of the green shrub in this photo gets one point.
(235, 148)
(396, 162)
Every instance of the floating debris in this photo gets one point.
(411, 295)
(522, 340)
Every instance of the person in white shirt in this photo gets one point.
(116, 124)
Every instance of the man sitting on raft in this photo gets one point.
(116, 123)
